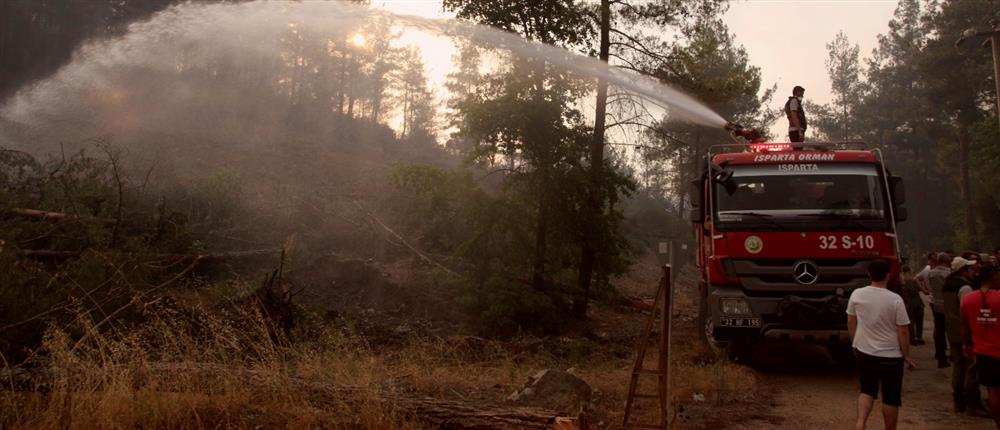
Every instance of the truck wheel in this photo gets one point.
(738, 350)
(720, 349)
(707, 328)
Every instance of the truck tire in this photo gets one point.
(735, 350)
(706, 328)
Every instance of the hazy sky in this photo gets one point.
(785, 38)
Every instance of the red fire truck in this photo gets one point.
(785, 235)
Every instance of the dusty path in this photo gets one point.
(811, 392)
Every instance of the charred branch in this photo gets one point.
(56, 255)
(51, 216)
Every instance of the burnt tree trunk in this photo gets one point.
(544, 167)
(541, 231)
(588, 253)
(967, 201)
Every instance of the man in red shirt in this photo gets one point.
(981, 334)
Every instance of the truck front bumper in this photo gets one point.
(779, 318)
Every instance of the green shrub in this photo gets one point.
(115, 241)
(506, 308)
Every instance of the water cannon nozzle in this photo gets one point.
(750, 134)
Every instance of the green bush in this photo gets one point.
(506, 308)
(115, 241)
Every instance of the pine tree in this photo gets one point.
(839, 120)
(712, 68)
(462, 85)
(525, 112)
(414, 98)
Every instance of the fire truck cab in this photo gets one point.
(785, 235)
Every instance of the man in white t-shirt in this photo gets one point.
(921, 276)
(876, 318)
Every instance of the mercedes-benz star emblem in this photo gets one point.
(805, 272)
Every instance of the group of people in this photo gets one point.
(964, 295)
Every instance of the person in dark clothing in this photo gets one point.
(935, 282)
(796, 115)
(914, 306)
(964, 381)
(974, 257)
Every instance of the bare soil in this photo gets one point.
(805, 389)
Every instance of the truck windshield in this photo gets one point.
(803, 192)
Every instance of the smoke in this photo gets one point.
(678, 104)
(173, 74)
(162, 66)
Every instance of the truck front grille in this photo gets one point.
(776, 275)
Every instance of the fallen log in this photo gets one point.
(55, 255)
(403, 241)
(219, 256)
(47, 254)
(460, 416)
(439, 413)
(50, 216)
(638, 303)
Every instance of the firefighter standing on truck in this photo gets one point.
(796, 115)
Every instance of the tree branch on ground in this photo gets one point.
(412, 248)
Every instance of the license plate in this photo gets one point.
(740, 322)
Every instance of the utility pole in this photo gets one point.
(995, 41)
(993, 38)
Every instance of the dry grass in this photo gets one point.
(718, 382)
(193, 370)
(202, 373)
(188, 368)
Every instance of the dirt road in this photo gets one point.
(811, 392)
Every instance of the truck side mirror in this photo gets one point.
(720, 174)
(697, 198)
(900, 214)
(898, 190)
(694, 215)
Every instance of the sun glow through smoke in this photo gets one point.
(358, 40)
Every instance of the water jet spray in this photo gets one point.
(254, 29)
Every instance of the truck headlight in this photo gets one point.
(735, 307)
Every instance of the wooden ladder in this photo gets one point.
(661, 306)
